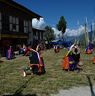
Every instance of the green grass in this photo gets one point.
(12, 82)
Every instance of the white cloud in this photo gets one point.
(34, 22)
(38, 24)
(56, 31)
(75, 32)
(70, 32)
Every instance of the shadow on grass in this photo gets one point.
(18, 92)
(91, 86)
(1, 61)
(22, 95)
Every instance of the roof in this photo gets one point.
(61, 42)
(21, 7)
(35, 29)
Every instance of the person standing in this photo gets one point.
(39, 49)
(9, 53)
(36, 61)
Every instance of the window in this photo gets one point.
(37, 34)
(0, 21)
(0, 16)
(34, 33)
(14, 24)
(40, 35)
(26, 26)
(30, 26)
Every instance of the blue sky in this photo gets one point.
(72, 10)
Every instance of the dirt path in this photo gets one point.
(77, 91)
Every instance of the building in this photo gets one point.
(15, 24)
(38, 34)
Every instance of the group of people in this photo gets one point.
(10, 52)
(72, 59)
(35, 56)
(24, 49)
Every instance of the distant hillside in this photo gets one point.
(80, 38)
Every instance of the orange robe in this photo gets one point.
(88, 51)
(66, 63)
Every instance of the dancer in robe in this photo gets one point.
(36, 61)
(89, 48)
(9, 53)
(27, 51)
(72, 58)
(66, 64)
(71, 61)
(39, 49)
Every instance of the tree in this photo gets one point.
(49, 34)
(61, 26)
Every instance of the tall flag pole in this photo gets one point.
(86, 34)
(0, 26)
(94, 31)
(78, 30)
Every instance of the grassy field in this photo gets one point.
(13, 83)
